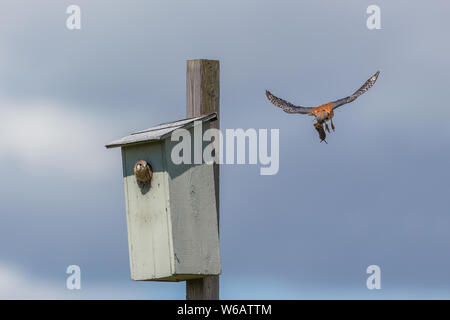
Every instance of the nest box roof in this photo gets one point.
(159, 132)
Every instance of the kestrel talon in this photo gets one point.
(322, 113)
(143, 172)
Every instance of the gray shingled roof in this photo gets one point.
(159, 132)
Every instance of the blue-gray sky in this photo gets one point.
(376, 194)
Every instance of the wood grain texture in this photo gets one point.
(202, 87)
(202, 98)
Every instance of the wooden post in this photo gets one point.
(202, 98)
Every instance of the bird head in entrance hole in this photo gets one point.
(143, 172)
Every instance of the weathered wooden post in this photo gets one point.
(202, 98)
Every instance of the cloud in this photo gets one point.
(68, 93)
(15, 284)
(46, 136)
(18, 284)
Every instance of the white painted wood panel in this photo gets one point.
(172, 225)
(149, 238)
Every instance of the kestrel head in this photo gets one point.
(143, 171)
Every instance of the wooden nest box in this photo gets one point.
(172, 219)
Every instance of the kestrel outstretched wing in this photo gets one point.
(366, 86)
(287, 106)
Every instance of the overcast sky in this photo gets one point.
(377, 193)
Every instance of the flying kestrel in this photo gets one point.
(324, 112)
